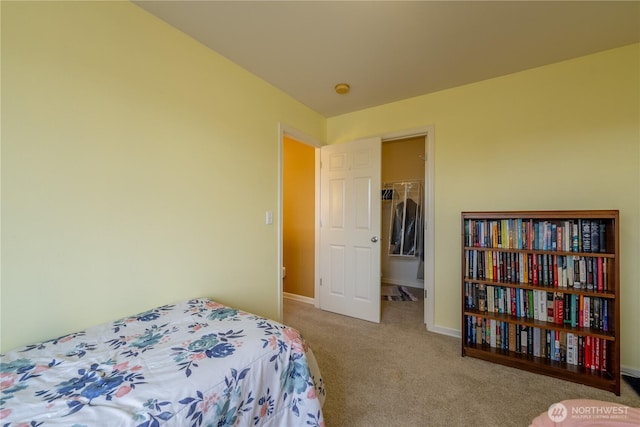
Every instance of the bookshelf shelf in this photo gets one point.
(542, 366)
(501, 317)
(603, 294)
(540, 292)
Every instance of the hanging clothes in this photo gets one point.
(405, 221)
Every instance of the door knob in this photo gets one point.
(374, 239)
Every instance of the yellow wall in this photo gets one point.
(401, 160)
(298, 228)
(563, 136)
(137, 166)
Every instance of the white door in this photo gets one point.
(350, 229)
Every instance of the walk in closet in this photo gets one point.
(403, 171)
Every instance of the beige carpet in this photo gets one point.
(397, 374)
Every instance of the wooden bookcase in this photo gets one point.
(528, 278)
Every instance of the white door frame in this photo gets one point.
(429, 232)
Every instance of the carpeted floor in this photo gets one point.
(396, 373)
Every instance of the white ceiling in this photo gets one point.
(392, 50)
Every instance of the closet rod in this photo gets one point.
(411, 181)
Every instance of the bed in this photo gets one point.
(196, 362)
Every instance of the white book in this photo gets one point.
(542, 310)
(566, 237)
(583, 273)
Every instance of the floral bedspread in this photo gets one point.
(194, 363)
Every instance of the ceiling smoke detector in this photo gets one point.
(342, 88)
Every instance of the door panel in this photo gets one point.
(336, 204)
(362, 188)
(337, 261)
(363, 274)
(350, 228)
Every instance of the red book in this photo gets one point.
(599, 280)
(558, 309)
(587, 352)
(596, 354)
(603, 351)
(559, 239)
(535, 269)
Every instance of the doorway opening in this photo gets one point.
(402, 227)
(298, 224)
(426, 134)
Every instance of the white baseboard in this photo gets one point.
(300, 298)
(446, 331)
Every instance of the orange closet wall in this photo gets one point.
(298, 189)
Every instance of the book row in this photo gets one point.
(549, 270)
(589, 352)
(576, 235)
(554, 307)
